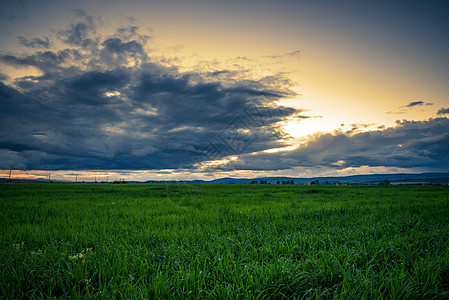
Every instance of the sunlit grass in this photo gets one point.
(223, 241)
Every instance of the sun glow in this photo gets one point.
(288, 148)
(112, 94)
(306, 127)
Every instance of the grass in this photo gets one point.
(223, 241)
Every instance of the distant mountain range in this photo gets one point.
(425, 178)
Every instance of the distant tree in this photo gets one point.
(118, 182)
(385, 182)
(292, 182)
(278, 182)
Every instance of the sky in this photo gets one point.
(176, 90)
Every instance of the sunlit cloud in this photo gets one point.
(410, 144)
(112, 94)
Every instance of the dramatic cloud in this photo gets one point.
(443, 111)
(409, 144)
(110, 103)
(105, 103)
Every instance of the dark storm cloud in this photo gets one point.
(35, 42)
(102, 103)
(409, 144)
(443, 111)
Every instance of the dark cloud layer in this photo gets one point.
(104, 103)
(410, 144)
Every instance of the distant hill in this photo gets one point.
(423, 178)
(426, 178)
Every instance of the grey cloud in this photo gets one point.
(128, 32)
(93, 111)
(443, 111)
(36, 42)
(405, 108)
(82, 33)
(46, 61)
(417, 103)
(117, 46)
(78, 35)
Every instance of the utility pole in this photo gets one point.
(76, 177)
(9, 178)
(49, 175)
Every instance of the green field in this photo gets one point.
(223, 241)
